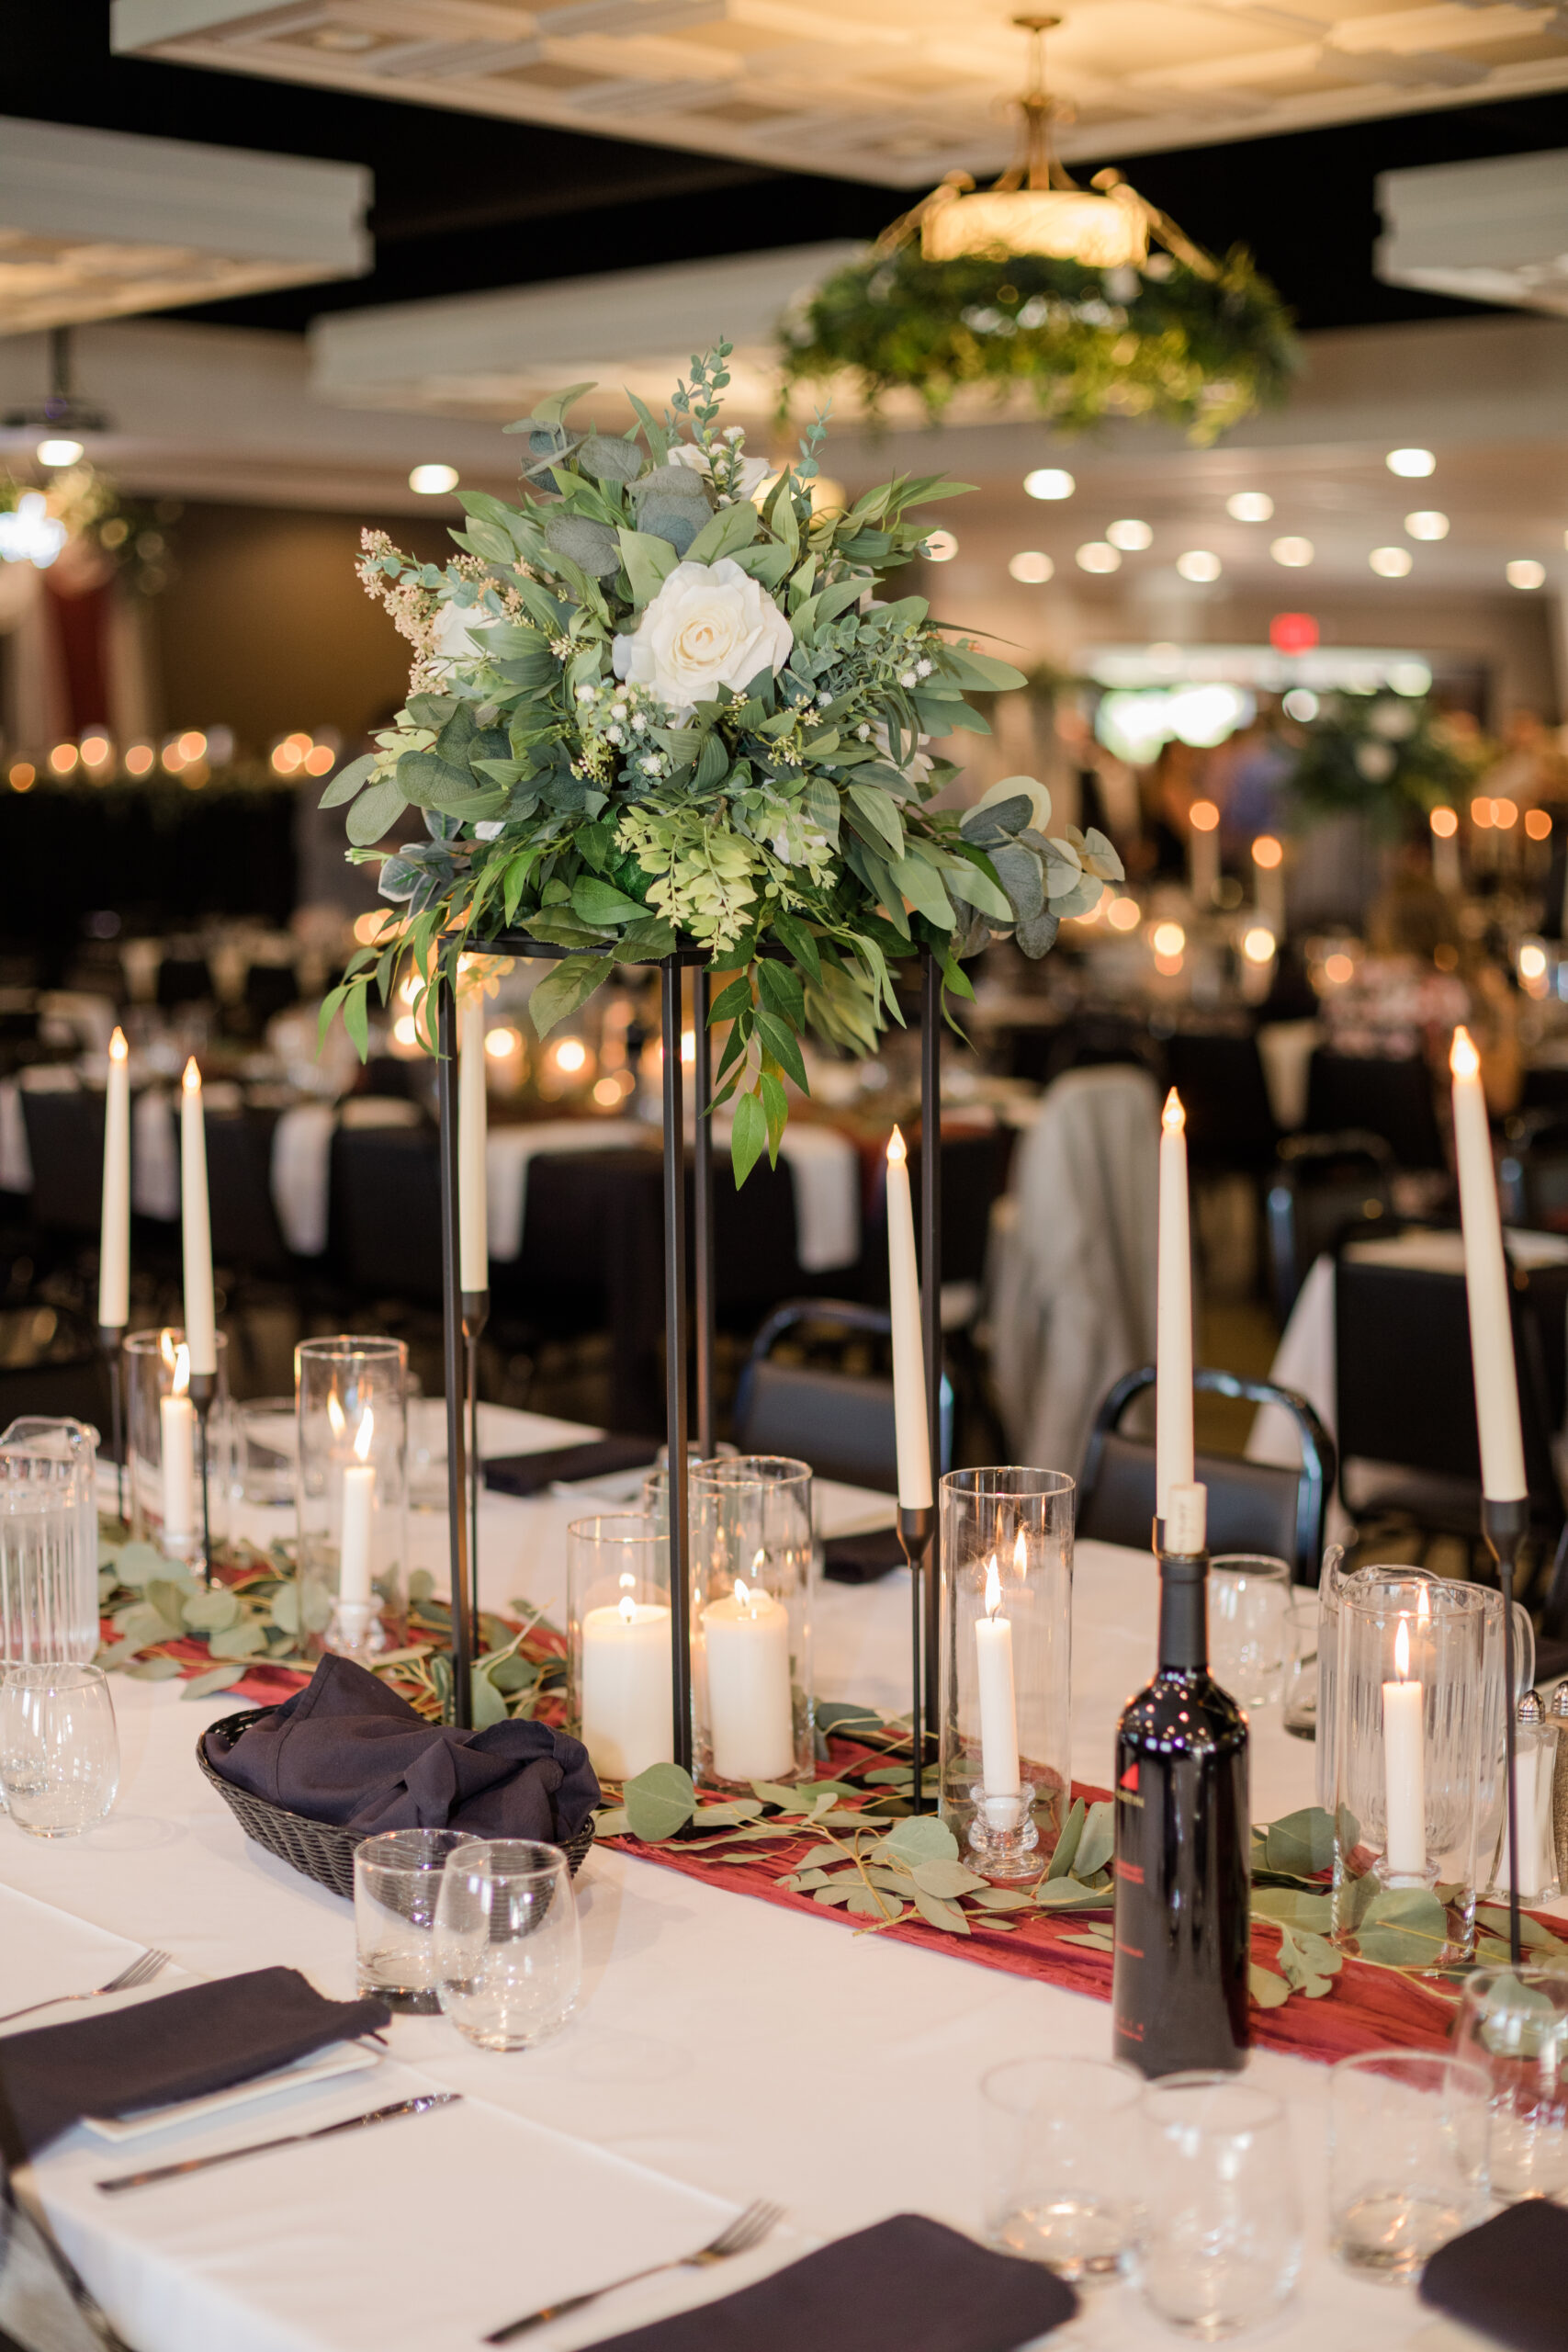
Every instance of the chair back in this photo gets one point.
(842, 1422)
(1219, 1076)
(246, 1235)
(385, 1219)
(1322, 1185)
(1532, 1174)
(1253, 1506)
(1393, 1098)
(65, 1145)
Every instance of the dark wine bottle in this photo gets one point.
(1183, 1836)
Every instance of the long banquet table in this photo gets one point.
(723, 2049)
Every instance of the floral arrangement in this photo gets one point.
(1382, 756)
(661, 703)
(1184, 339)
(132, 535)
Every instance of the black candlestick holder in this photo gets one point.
(1505, 1526)
(475, 1307)
(202, 1391)
(111, 1336)
(916, 1533)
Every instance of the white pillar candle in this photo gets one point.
(1173, 1356)
(196, 1228)
(911, 1426)
(998, 1704)
(750, 1717)
(1203, 854)
(354, 1590)
(1486, 1283)
(628, 1721)
(176, 1430)
(1405, 1765)
(114, 1248)
(473, 1239)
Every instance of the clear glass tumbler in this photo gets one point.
(163, 1436)
(397, 1880)
(352, 1492)
(1060, 2159)
(266, 1450)
(1407, 2158)
(1219, 2230)
(59, 1747)
(1298, 1713)
(1513, 2025)
(508, 1957)
(1248, 1596)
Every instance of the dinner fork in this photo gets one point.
(747, 2230)
(141, 1971)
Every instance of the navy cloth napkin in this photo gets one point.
(348, 1750)
(598, 1457)
(860, 1559)
(184, 2045)
(905, 2285)
(1507, 2279)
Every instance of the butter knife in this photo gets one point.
(289, 2140)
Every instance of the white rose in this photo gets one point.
(710, 626)
(754, 470)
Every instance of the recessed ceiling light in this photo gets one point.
(1096, 555)
(1427, 523)
(1049, 482)
(1390, 563)
(1130, 535)
(941, 547)
(1249, 506)
(1291, 552)
(63, 452)
(1414, 464)
(1031, 567)
(1301, 703)
(1525, 572)
(1199, 564)
(433, 482)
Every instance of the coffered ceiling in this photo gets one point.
(895, 92)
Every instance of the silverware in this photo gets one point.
(141, 1971)
(289, 2140)
(747, 2230)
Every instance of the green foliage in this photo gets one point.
(1381, 756)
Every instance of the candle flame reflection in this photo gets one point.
(993, 1586)
(1402, 1650)
(1423, 1609)
(334, 1414)
(182, 1370)
(1463, 1059)
(364, 1433)
(1020, 1556)
(741, 1594)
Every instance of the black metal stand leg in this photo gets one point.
(1505, 1526)
(701, 1221)
(675, 1362)
(476, 1315)
(456, 1462)
(930, 1286)
(916, 1529)
(109, 1338)
(203, 1389)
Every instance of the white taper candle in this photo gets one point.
(114, 1248)
(911, 1427)
(1486, 1283)
(1173, 1339)
(472, 1226)
(196, 1228)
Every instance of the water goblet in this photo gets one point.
(508, 1957)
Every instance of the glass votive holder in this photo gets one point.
(59, 1746)
(351, 1492)
(1513, 2027)
(1298, 1713)
(1408, 1711)
(397, 1880)
(1249, 1597)
(165, 1439)
(508, 1953)
(620, 1678)
(751, 1580)
(1407, 2158)
(1218, 2245)
(1060, 2164)
(266, 1450)
(1006, 1664)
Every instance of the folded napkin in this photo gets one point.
(202, 2038)
(1507, 2279)
(347, 1749)
(533, 1474)
(860, 1559)
(906, 2282)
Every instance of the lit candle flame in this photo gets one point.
(364, 1435)
(741, 1594)
(117, 1046)
(182, 1370)
(166, 1348)
(1463, 1059)
(896, 1148)
(192, 1079)
(628, 1609)
(628, 1581)
(334, 1414)
(993, 1586)
(1402, 1650)
(1173, 1115)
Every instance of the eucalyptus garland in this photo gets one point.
(1195, 342)
(1383, 757)
(659, 702)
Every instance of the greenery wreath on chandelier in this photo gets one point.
(661, 703)
(1041, 282)
(1385, 757)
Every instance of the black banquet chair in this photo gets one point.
(1253, 1506)
(842, 1422)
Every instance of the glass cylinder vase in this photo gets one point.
(619, 1679)
(1409, 1711)
(163, 1435)
(351, 1396)
(751, 1551)
(49, 1582)
(1006, 1664)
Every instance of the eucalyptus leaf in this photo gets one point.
(156, 1669)
(610, 460)
(217, 1677)
(947, 1878)
(242, 1640)
(374, 813)
(134, 1562)
(1293, 1906)
(1403, 1928)
(866, 1902)
(286, 1608)
(1097, 1841)
(949, 1916)
(1066, 1895)
(921, 1838)
(613, 1822)
(1067, 1843)
(209, 1612)
(592, 545)
(1301, 1843)
(1269, 1992)
(660, 1802)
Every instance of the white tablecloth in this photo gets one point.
(723, 2049)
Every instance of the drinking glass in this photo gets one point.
(1512, 2026)
(397, 1879)
(1060, 2162)
(1249, 1595)
(164, 1445)
(1407, 2165)
(59, 1748)
(352, 1493)
(266, 1448)
(73, 1447)
(1299, 1712)
(508, 1962)
(1218, 2242)
(48, 1584)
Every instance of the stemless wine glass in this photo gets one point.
(1512, 2026)
(1406, 2157)
(1219, 2234)
(397, 1882)
(508, 1960)
(59, 1747)
(1060, 2164)
(1249, 1595)
(1299, 1712)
